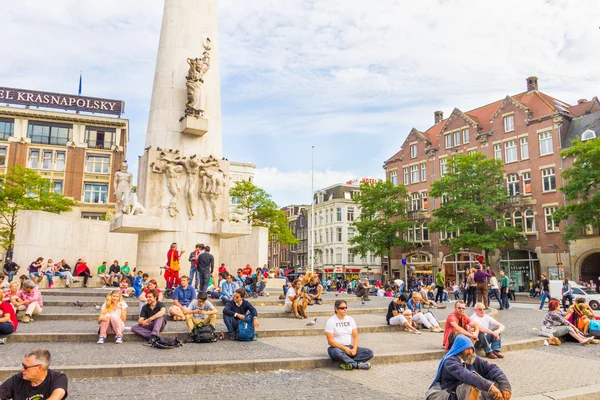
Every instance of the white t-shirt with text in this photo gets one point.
(341, 329)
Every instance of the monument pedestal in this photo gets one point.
(194, 126)
(134, 223)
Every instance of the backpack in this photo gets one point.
(203, 333)
(245, 332)
(166, 343)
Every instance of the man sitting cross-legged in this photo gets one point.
(489, 332)
(228, 288)
(183, 295)
(342, 337)
(314, 290)
(399, 314)
(200, 311)
(236, 310)
(152, 318)
(296, 300)
(461, 375)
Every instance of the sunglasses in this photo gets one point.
(342, 308)
(26, 367)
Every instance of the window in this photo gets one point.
(457, 138)
(418, 233)
(350, 233)
(100, 138)
(350, 257)
(518, 219)
(320, 218)
(95, 193)
(548, 180)
(46, 133)
(406, 181)
(338, 256)
(424, 200)
(338, 233)
(414, 174)
(416, 202)
(471, 152)
(423, 172)
(529, 221)
(93, 216)
(235, 200)
(326, 235)
(498, 151)
(97, 164)
(512, 183)
(511, 151)
(373, 258)
(7, 128)
(526, 183)
(551, 226)
(442, 166)
(326, 216)
(509, 123)
(425, 232)
(394, 177)
(60, 161)
(327, 256)
(339, 214)
(524, 148)
(448, 139)
(57, 187)
(320, 236)
(34, 158)
(350, 214)
(445, 198)
(507, 219)
(3, 153)
(413, 151)
(47, 159)
(546, 143)
(465, 136)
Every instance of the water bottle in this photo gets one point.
(221, 335)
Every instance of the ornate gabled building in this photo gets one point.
(526, 132)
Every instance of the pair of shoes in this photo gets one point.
(501, 308)
(416, 332)
(346, 367)
(364, 365)
(594, 341)
(119, 340)
(586, 341)
(318, 302)
(498, 354)
(100, 340)
(153, 339)
(491, 355)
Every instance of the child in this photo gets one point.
(3, 283)
(145, 280)
(125, 289)
(138, 284)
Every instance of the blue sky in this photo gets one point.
(348, 76)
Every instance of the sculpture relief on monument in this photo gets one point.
(123, 184)
(198, 67)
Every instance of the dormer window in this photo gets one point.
(413, 151)
(588, 134)
(509, 123)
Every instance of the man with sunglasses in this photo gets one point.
(35, 381)
(342, 337)
(458, 323)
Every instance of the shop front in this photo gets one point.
(454, 266)
(522, 266)
(418, 265)
(347, 273)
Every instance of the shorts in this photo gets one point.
(289, 307)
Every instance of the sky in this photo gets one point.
(350, 77)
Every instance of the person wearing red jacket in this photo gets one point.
(81, 269)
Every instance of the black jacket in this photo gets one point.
(231, 309)
(206, 261)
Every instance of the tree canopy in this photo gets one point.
(24, 189)
(582, 182)
(256, 207)
(473, 199)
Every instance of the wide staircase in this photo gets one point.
(68, 328)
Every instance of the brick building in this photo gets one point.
(526, 132)
(292, 256)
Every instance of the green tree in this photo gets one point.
(256, 207)
(381, 223)
(474, 199)
(24, 189)
(582, 182)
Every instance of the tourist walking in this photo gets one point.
(504, 290)
(440, 284)
(544, 291)
(567, 294)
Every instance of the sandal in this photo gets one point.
(298, 316)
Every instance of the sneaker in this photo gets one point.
(416, 332)
(3, 341)
(364, 365)
(26, 319)
(346, 367)
(100, 340)
(119, 340)
(318, 302)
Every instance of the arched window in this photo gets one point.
(507, 219)
(529, 221)
(518, 219)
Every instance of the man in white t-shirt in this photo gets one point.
(200, 311)
(296, 300)
(342, 337)
(489, 332)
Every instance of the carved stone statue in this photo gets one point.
(191, 166)
(136, 207)
(198, 67)
(123, 184)
(172, 171)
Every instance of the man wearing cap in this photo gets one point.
(461, 375)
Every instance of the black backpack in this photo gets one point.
(166, 343)
(203, 333)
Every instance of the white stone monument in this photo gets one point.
(183, 180)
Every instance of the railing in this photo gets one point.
(50, 140)
(100, 144)
(5, 135)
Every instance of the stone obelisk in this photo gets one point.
(183, 181)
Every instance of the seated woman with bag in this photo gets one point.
(580, 315)
(556, 325)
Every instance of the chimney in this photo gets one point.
(581, 101)
(438, 116)
(532, 83)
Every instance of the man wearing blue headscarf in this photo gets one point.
(462, 375)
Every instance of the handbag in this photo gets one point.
(594, 325)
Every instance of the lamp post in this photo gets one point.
(561, 272)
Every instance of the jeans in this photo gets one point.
(504, 298)
(494, 293)
(49, 276)
(153, 329)
(362, 355)
(225, 299)
(564, 301)
(6, 328)
(194, 273)
(10, 275)
(260, 287)
(439, 295)
(67, 276)
(543, 297)
(472, 296)
(231, 323)
(488, 342)
(204, 278)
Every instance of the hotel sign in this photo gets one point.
(35, 98)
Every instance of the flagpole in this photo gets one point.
(312, 216)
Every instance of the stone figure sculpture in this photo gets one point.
(123, 184)
(198, 67)
(172, 171)
(192, 167)
(136, 207)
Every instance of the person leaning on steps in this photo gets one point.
(296, 300)
(314, 289)
(113, 315)
(458, 323)
(399, 314)
(425, 318)
(489, 332)
(36, 380)
(152, 318)
(342, 337)
(236, 310)
(31, 303)
(200, 311)
(183, 295)
(461, 375)
(8, 318)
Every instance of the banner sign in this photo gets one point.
(35, 98)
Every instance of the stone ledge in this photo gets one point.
(231, 230)
(591, 392)
(134, 223)
(194, 126)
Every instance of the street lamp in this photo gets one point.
(559, 264)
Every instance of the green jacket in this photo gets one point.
(440, 280)
(504, 282)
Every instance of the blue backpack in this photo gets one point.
(245, 332)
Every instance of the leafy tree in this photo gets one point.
(381, 223)
(257, 208)
(475, 197)
(23, 189)
(582, 182)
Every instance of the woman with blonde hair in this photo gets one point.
(112, 317)
(427, 319)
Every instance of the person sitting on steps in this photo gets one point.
(113, 315)
(236, 310)
(362, 289)
(314, 289)
(489, 332)
(399, 314)
(31, 302)
(183, 295)
(426, 319)
(200, 311)
(296, 300)
(228, 288)
(152, 318)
